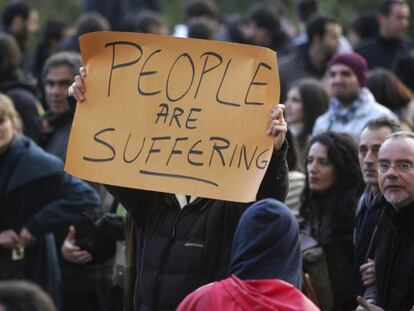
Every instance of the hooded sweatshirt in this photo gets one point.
(265, 267)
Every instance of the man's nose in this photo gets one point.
(370, 158)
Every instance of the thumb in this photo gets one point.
(71, 233)
(370, 260)
(363, 303)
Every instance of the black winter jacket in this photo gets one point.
(394, 259)
(178, 250)
(382, 52)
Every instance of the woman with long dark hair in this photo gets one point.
(333, 186)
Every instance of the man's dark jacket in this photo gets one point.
(56, 141)
(368, 212)
(178, 250)
(297, 65)
(382, 52)
(394, 259)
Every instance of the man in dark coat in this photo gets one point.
(309, 60)
(385, 48)
(394, 258)
(185, 244)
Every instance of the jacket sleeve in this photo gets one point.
(75, 197)
(275, 182)
(134, 200)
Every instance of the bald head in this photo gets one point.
(396, 169)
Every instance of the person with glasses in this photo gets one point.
(394, 256)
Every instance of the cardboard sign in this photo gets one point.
(174, 115)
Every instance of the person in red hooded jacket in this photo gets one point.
(265, 271)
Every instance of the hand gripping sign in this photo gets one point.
(174, 115)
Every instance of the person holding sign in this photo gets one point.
(185, 242)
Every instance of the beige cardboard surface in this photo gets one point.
(174, 115)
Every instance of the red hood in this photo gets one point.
(233, 294)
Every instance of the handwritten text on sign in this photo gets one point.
(174, 115)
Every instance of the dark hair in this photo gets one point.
(13, 9)
(385, 6)
(53, 32)
(72, 60)
(91, 22)
(267, 17)
(404, 68)
(142, 21)
(365, 24)
(54, 29)
(388, 90)
(339, 203)
(315, 100)
(200, 29)
(316, 24)
(306, 8)
(10, 56)
(391, 124)
(200, 8)
(24, 296)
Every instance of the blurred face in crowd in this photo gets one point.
(369, 145)
(22, 28)
(58, 79)
(158, 29)
(7, 132)
(320, 169)
(343, 83)
(294, 108)
(396, 171)
(397, 22)
(256, 35)
(330, 40)
(33, 22)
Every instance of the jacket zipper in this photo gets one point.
(156, 302)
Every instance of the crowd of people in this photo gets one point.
(331, 229)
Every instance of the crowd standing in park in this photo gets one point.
(343, 163)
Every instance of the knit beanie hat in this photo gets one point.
(353, 60)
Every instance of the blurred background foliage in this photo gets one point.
(69, 10)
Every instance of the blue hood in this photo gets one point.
(266, 244)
